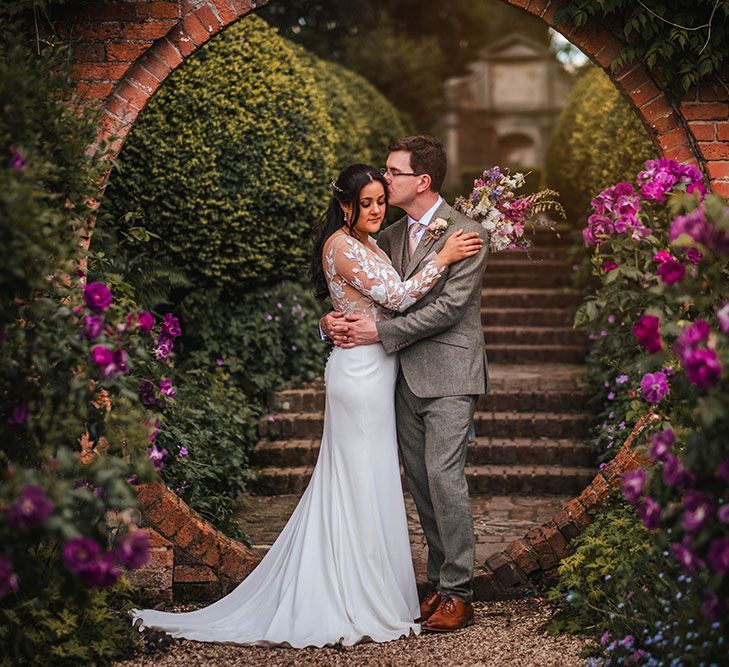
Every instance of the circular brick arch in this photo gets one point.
(123, 51)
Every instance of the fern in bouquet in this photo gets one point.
(504, 215)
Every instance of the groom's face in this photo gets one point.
(402, 186)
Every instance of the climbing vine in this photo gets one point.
(686, 41)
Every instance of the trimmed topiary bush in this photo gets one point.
(598, 141)
(230, 161)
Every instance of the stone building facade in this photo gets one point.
(503, 111)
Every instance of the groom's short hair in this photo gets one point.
(427, 156)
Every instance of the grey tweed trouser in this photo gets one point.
(433, 436)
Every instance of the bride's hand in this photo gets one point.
(460, 246)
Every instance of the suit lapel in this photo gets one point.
(398, 245)
(443, 211)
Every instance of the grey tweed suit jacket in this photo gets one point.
(439, 338)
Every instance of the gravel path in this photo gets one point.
(505, 634)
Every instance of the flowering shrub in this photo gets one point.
(661, 255)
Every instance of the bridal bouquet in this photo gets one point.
(504, 215)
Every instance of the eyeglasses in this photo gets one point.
(385, 171)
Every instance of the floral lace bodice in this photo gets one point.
(362, 281)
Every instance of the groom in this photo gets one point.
(443, 369)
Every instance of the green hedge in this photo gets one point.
(229, 163)
(598, 141)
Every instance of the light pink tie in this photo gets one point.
(413, 238)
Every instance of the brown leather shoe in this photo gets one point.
(451, 614)
(429, 604)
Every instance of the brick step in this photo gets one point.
(526, 279)
(492, 479)
(309, 425)
(498, 264)
(562, 336)
(536, 317)
(535, 252)
(482, 451)
(517, 399)
(529, 354)
(530, 297)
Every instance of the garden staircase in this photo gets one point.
(531, 428)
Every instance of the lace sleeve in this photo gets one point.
(376, 278)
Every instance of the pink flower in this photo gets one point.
(609, 265)
(145, 321)
(156, 456)
(671, 271)
(649, 512)
(703, 368)
(132, 549)
(654, 386)
(685, 556)
(166, 388)
(718, 556)
(698, 508)
(662, 256)
(97, 296)
(694, 256)
(722, 316)
(8, 578)
(647, 331)
(17, 161)
(633, 482)
(102, 356)
(31, 509)
(93, 326)
(661, 444)
(171, 326)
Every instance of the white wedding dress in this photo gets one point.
(341, 570)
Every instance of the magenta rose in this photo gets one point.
(647, 331)
(31, 509)
(132, 549)
(718, 556)
(163, 346)
(102, 356)
(674, 474)
(671, 271)
(171, 326)
(662, 256)
(694, 225)
(703, 368)
(633, 482)
(697, 509)
(649, 512)
(145, 321)
(685, 556)
(654, 386)
(102, 572)
(93, 326)
(661, 444)
(608, 266)
(156, 456)
(79, 554)
(722, 316)
(691, 338)
(166, 387)
(694, 256)
(97, 296)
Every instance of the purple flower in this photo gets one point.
(697, 508)
(722, 316)
(694, 225)
(605, 638)
(713, 607)
(691, 338)
(120, 362)
(93, 326)
(633, 482)
(611, 396)
(662, 256)
(647, 331)
(17, 161)
(102, 356)
(156, 456)
(627, 641)
(723, 514)
(182, 453)
(154, 431)
(621, 379)
(661, 444)
(79, 554)
(18, 415)
(97, 296)
(8, 578)
(166, 388)
(685, 556)
(608, 266)
(671, 271)
(703, 368)
(649, 512)
(219, 362)
(171, 326)
(694, 255)
(145, 321)
(654, 386)
(146, 393)
(674, 474)
(163, 346)
(31, 509)
(132, 549)
(723, 469)
(718, 556)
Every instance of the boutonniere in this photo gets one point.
(436, 228)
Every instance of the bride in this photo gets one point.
(341, 570)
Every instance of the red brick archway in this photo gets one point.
(123, 50)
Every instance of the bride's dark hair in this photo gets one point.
(345, 190)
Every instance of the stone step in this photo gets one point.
(492, 479)
(530, 354)
(517, 399)
(562, 336)
(526, 279)
(530, 297)
(537, 317)
(482, 451)
(309, 425)
(498, 264)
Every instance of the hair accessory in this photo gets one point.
(335, 186)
